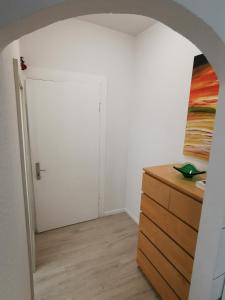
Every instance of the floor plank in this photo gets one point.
(93, 260)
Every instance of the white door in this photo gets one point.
(64, 122)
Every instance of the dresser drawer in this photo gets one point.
(155, 278)
(184, 235)
(174, 253)
(185, 208)
(157, 190)
(178, 283)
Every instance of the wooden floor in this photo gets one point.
(94, 260)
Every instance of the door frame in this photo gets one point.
(45, 74)
(23, 137)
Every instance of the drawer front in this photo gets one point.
(155, 278)
(157, 190)
(185, 208)
(178, 283)
(184, 235)
(176, 255)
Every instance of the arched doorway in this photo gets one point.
(206, 39)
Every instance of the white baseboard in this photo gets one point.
(133, 217)
(113, 212)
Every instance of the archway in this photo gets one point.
(196, 30)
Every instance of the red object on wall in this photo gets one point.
(22, 64)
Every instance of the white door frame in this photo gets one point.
(65, 76)
(23, 143)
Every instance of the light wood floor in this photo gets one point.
(94, 260)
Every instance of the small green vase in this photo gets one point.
(188, 170)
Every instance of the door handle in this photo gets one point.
(38, 170)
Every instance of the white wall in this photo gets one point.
(78, 46)
(207, 39)
(14, 272)
(164, 63)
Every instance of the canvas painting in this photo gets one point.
(201, 109)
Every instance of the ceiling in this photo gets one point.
(130, 24)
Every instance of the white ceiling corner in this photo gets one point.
(126, 23)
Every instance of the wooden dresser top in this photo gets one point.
(168, 175)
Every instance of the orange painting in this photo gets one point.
(201, 109)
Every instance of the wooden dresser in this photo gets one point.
(169, 221)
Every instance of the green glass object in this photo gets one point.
(189, 170)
